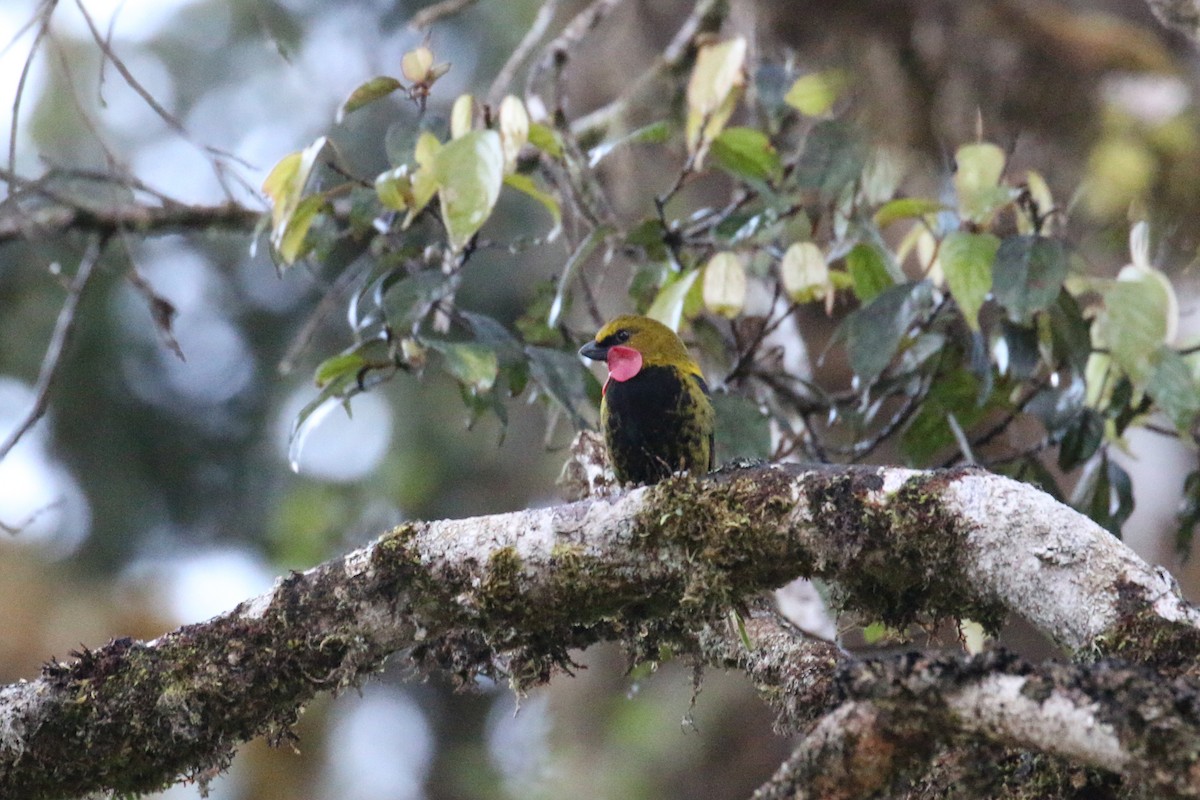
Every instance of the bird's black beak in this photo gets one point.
(594, 351)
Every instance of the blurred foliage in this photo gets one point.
(962, 314)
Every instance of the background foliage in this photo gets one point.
(952, 233)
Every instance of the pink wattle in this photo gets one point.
(623, 363)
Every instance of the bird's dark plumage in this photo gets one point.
(656, 415)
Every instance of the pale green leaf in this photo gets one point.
(1174, 389)
(416, 64)
(979, 168)
(291, 241)
(469, 172)
(514, 130)
(545, 139)
(667, 307)
(525, 185)
(461, 115)
(1140, 314)
(395, 188)
(746, 153)
(815, 93)
(905, 208)
(967, 260)
(713, 91)
(367, 93)
(869, 271)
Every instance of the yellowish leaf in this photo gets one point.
(514, 130)
(725, 285)
(804, 272)
(713, 92)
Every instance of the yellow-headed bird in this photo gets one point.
(656, 415)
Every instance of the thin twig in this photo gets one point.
(557, 52)
(45, 14)
(64, 327)
(707, 17)
(534, 35)
(447, 8)
(328, 302)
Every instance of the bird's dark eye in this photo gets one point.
(622, 336)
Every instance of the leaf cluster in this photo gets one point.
(843, 310)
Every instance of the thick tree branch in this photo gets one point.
(897, 713)
(513, 594)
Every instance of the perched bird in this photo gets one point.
(655, 413)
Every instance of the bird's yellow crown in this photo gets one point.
(658, 344)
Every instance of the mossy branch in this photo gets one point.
(658, 568)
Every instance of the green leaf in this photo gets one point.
(1174, 389)
(743, 430)
(339, 379)
(667, 307)
(1139, 309)
(979, 168)
(285, 186)
(394, 188)
(1081, 439)
(1105, 493)
(833, 158)
(746, 153)
(339, 371)
(545, 139)
(292, 242)
(905, 208)
(869, 271)
(815, 93)
(474, 365)
(1028, 275)
(469, 171)
(566, 381)
(366, 93)
(654, 133)
(1070, 333)
(525, 184)
(967, 264)
(405, 299)
(929, 434)
(873, 333)
(569, 270)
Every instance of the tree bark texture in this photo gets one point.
(680, 564)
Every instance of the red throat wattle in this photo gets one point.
(623, 363)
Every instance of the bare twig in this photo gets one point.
(707, 17)
(535, 33)
(438, 11)
(64, 327)
(44, 14)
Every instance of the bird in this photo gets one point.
(655, 410)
